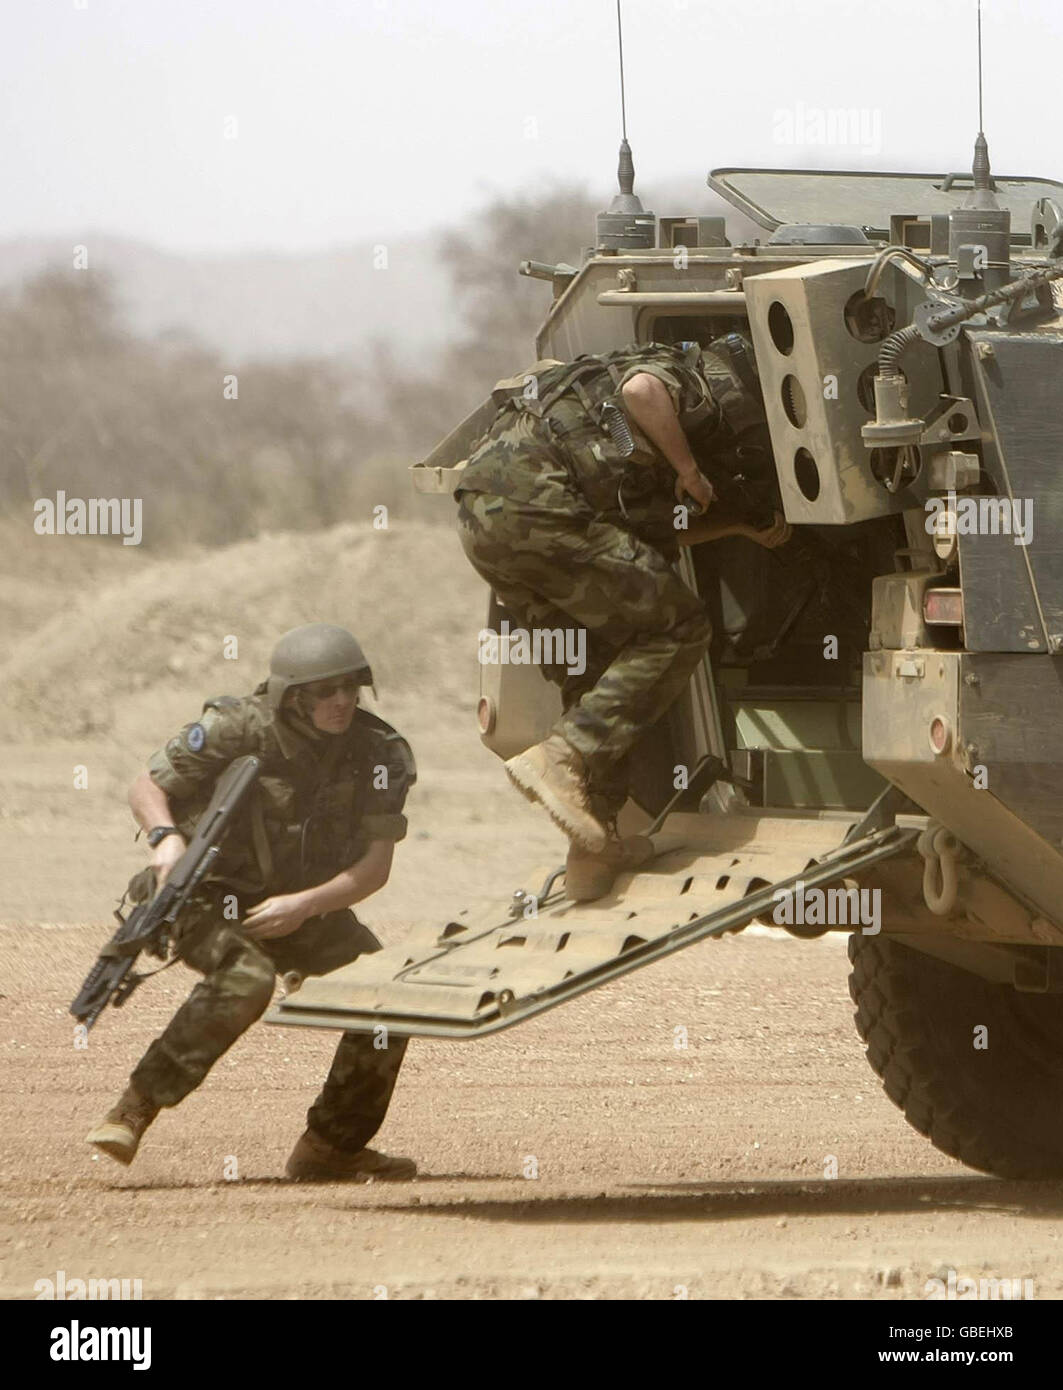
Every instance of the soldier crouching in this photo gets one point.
(572, 508)
(317, 836)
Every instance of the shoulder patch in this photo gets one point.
(195, 737)
(405, 753)
(392, 739)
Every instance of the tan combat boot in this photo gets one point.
(120, 1131)
(589, 876)
(316, 1160)
(552, 773)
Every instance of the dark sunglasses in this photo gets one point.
(324, 690)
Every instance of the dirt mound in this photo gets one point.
(110, 651)
(99, 640)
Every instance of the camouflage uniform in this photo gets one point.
(564, 528)
(314, 811)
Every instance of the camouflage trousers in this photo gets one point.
(237, 986)
(645, 630)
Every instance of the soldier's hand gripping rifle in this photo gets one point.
(149, 926)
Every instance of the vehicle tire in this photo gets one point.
(997, 1109)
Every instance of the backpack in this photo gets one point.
(625, 479)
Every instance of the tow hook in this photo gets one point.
(938, 846)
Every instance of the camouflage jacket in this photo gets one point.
(551, 449)
(317, 805)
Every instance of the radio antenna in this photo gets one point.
(626, 223)
(620, 48)
(625, 172)
(979, 223)
(980, 168)
(980, 124)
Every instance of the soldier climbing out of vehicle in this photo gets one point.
(572, 507)
(317, 835)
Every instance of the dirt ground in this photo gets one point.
(661, 1172)
(581, 1155)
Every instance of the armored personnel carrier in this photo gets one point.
(875, 725)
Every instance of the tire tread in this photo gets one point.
(913, 1073)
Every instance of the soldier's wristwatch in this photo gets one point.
(159, 833)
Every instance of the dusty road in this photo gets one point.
(662, 1171)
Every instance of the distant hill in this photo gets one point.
(106, 637)
(330, 303)
(264, 304)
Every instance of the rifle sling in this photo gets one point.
(260, 839)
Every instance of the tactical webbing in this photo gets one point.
(737, 351)
(591, 407)
(565, 379)
(571, 381)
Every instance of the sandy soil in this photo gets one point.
(661, 1172)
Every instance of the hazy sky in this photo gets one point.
(297, 124)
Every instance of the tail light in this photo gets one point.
(943, 606)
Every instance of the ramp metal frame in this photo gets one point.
(320, 1003)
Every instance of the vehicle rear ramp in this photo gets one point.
(712, 874)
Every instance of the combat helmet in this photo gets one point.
(314, 652)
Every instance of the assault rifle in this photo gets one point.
(148, 927)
